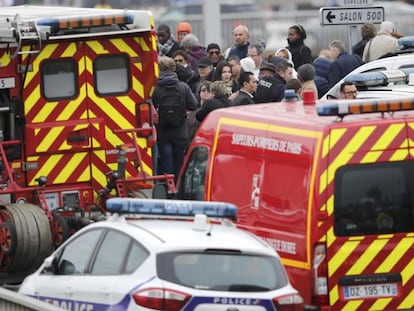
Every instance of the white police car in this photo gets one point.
(153, 263)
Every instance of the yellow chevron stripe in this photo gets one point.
(341, 256)
(353, 305)
(380, 304)
(66, 171)
(32, 99)
(44, 112)
(143, 44)
(97, 47)
(382, 143)
(70, 50)
(99, 176)
(407, 274)
(128, 103)
(70, 109)
(330, 205)
(369, 254)
(348, 151)
(49, 138)
(123, 46)
(5, 60)
(399, 250)
(138, 87)
(399, 155)
(334, 295)
(112, 137)
(47, 167)
(111, 112)
(331, 140)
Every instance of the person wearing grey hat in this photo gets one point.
(306, 75)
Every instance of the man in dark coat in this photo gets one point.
(248, 83)
(343, 62)
(172, 141)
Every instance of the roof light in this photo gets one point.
(380, 77)
(406, 42)
(171, 207)
(343, 107)
(73, 22)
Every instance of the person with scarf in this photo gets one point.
(166, 43)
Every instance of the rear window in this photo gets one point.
(222, 271)
(374, 198)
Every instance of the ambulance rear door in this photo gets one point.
(369, 189)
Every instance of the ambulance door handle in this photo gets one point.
(76, 138)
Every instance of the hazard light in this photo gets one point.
(398, 76)
(95, 20)
(346, 107)
(171, 207)
(145, 113)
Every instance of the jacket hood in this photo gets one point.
(322, 66)
(167, 78)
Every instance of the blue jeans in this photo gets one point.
(171, 156)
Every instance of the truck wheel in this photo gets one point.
(27, 238)
(60, 229)
(44, 234)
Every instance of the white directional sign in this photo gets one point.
(351, 15)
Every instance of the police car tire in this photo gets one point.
(9, 247)
(45, 234)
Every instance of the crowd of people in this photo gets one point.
(210, 77)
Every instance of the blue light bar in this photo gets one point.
(171, 207)
(380, 77)
(406, 42)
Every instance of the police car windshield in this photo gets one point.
(222, 271)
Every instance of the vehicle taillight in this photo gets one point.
(292, 302)
(320, 276)
(144, 118)
(161, 299)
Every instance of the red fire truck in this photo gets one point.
(75, 121)
(330, 185)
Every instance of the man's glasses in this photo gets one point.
(179, 60)
(214, 52)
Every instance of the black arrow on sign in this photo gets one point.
(330, 16)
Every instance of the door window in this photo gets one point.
(374, 198)
(112, 75)
(59, 79)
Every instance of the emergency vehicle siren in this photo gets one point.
(171, 208)
(342, 108)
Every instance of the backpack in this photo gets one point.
(171, 108)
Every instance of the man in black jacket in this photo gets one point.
(248, 86)
(172, 141)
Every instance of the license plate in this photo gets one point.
(7, 83)
(370, 291)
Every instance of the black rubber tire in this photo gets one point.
(45, 235)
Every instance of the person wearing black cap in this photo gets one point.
(270, 87)
(214, 53)
(205, 71)
(301, 53)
